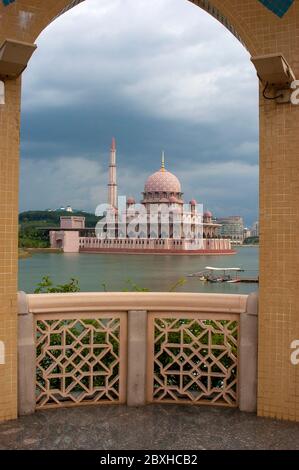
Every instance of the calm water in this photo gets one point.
(157, 273)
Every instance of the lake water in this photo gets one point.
(157, 273)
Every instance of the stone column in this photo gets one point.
(137, 358)
(279, 252)
(9, 181)
(248, 352)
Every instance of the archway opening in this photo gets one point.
(153, 83)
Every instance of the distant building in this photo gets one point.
(62, 209)
(247, 233)
(232, 228)
(67, 238)
(255, 230)
(67, 222)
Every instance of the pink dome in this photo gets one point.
(130, 200)
(208, 214)
(162, 181)
(193, 202)
(173, 200)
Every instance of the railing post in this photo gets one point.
(137, 350)
(26, 358)
(248, 355)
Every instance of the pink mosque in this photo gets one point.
(162, 189)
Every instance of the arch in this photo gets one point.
(208, 5)
(69, 6)
(39, 16)
(218, 14)
(262, 30)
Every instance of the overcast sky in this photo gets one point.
(157, 75)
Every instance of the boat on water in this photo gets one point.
(213, 274)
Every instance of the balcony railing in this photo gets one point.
(137, 348)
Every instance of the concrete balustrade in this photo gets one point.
(248, 355)
(137, 358)
(26, 357)
(136, 336)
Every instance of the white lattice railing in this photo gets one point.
(137, 348)
(194, 358)
(80, 359)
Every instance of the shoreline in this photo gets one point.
(25, 253)
(156, 252)
(28, 252)
(44, 250)
(249, 246)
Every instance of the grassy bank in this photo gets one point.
(28, 252)
(34, 226)
(44, 250)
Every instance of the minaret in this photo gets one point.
(112, 185)
(163, 162)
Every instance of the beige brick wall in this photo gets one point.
(279, 260)
(9, 180)
(262, 32)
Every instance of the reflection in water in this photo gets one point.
(157, 273)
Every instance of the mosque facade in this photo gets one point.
(160, 223)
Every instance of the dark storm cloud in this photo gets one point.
(73, 131)
(157, 77)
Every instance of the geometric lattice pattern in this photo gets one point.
(78, 361)
(195, 360)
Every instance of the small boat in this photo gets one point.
(200, 274)
(227, 274)
(216, 279)
(210, 275)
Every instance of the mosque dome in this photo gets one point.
(162, 181)
(163, 187)
(193, 202)
(208, 214)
